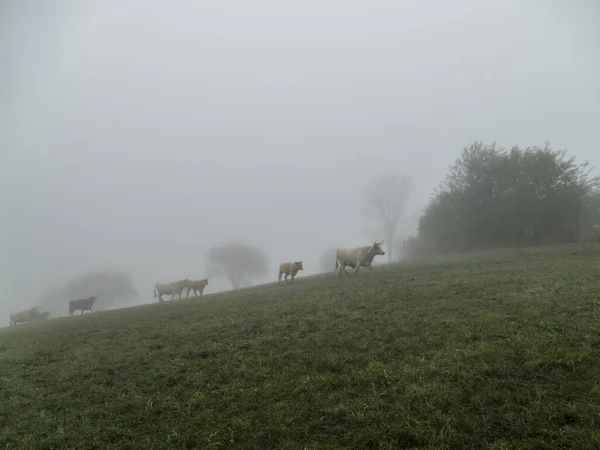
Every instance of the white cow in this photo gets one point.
(357, 257)
(289, 269)
(25, 316)
(196, 285)
(175, 287)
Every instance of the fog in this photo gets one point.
(136, 135)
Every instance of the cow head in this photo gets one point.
(299, 265)
(205, 281)
(377, 248)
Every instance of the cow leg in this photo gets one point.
(279, 278)
(187, 294)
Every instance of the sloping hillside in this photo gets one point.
(495, 349)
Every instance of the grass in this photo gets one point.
(492, 350)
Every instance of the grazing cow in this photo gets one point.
(357, 257)
(196, 285)
(175, 287)
(289, 269)
(25, 316)
(596, 229)
(83, 304)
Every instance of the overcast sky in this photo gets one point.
(134, 135)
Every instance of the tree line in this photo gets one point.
(495, 197)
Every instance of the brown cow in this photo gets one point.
(289, 269)
(196, 285)
(83, 304)
(357, 257)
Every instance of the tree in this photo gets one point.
(385, 202)
(327, 260)
(108, 286)
(239, 262)
(494, 197)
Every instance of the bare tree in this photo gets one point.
(238, 262)
(385, 202)
(327, 261)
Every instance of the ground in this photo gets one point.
(486, 350)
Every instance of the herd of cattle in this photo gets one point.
(352, 257)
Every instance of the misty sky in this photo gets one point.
(134, 135)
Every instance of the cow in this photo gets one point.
(357, 257)
(25, 316)
(196, 285)
(596, 229)
(83, 304)
(175, 287)
(289, 269)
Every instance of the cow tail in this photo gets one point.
(155, 286)
(336, 259)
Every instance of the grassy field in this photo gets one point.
(492, 350)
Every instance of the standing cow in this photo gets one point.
(25, 316)
(83, 304)
(175, 287)
(289, 269)
(357, 257)
(196, 285)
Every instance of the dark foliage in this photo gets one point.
(493, 197)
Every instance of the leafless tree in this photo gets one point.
(238, 262)
(385, 203)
